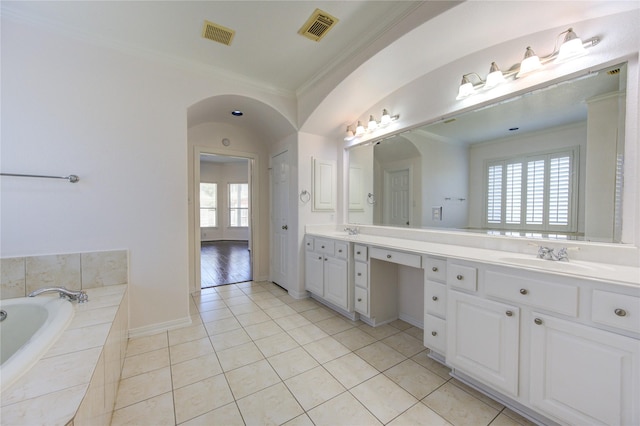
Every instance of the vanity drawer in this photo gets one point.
(393, 256)
(435, 269)
(361, 274)
(435, 298)
(538, 292)
(360, 252)
(324, 246)
(434, 334)
(616, 310)
(341, 250)
(462, 276)
(308, 243)
(362, 301)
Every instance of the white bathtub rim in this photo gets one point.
(61, 312)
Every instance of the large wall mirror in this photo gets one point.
(546, 164)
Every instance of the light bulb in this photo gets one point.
(494, 77)
(373, 124)
(530, 63)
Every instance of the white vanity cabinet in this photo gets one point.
(435, 304)
(327, 271)
(361, 279)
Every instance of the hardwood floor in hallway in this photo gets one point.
(224, 262)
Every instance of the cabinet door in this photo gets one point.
(581, 375)
(335, 282)
(483, 340)
(313, 272)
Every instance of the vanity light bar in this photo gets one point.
(571, 47)
(372, 125)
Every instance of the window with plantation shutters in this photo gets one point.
(533, 192)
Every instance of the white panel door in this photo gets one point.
(397, 198)
(280, 218)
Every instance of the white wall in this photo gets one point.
(120, 123)
(223, 174)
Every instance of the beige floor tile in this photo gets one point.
(344, 409)
(350, 370)
(269, 303)
(334, 325)
(227, 291)
(318, 314)
(517, 417)
(145, 362)
(189, 350)
(303, 305)
(405, 344)
(307, 334)
(253, 318)
(153, 411)
(354, 338)
(263, 295)
(440, 369)
(251, 378)
(400, 325)
(292, 363)
(206, 296)
(314, 387)
(416, 333)
(218, 314)
(419, 414)
(237, 300)
(228, 415)
(272, 406)
(381, 356)
(194, 370)
(221, 326)
(264, 329)
(324, 350)
(301, 420)
(288, 299)
(210, 305)
(504, 420)
(383, 398)
(143, 386)
(187, 334)
(239, 356)
(414, 378)
(459, 407)
(292, 321)
(276, 344)
(380, 332)
(229, 339)
(201, 397)
(140, 345)
(245, 308)
(279, 311)
(482, 397)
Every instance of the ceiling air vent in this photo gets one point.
(218, 33)
(318, 25)
(614, 71)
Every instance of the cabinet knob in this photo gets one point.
(538, 321)
(325, 259)
(339, 250)
(322, 246)
(319, 257)
(459, 277)
(359, 299)
(388, 256)
(524, 291)
(357, 252)
(433, 333)
(434, 269)
(620, 312)
(359, 274)
(509, 313)
(434, 298)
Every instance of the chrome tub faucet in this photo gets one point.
(80, 295)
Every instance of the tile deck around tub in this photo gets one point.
(256, 356)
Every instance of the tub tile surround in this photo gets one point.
(324, 378)
(75, 382)
(20, 276)
(616, 263)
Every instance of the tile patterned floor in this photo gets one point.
(256, 356)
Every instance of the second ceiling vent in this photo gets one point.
(218, 33)
(318, 25)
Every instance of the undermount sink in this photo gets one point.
(552, 265)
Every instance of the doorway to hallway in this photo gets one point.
(224, 262)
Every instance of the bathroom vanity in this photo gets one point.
(557, 341)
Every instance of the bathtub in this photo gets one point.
(32, 325)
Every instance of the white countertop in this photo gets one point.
(618, 274)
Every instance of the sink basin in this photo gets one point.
(570, 266)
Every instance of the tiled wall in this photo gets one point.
(20, 276)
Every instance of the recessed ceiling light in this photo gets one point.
(237, 113)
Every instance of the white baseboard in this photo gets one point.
(148, 330)
(414, 322)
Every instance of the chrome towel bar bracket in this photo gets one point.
(70, 178)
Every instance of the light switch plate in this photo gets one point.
(436, 213)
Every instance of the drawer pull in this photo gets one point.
(620, 312)
(538, 321)
(434, 334)
(308, 244)
(388, 256)
(359, 299)
(322, 246)
(524, 291)
(357, 252)
(319, 257)
(509, 313)
(459, 277)
(325, 259)
(340, 251)
(434, 269)
(359, 274)
(434, 298)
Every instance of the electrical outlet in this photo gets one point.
(436, 213)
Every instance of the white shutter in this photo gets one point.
(559, 190)
(513, 201)
(535, 192)
(494, 194)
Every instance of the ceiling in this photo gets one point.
(267, 50)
